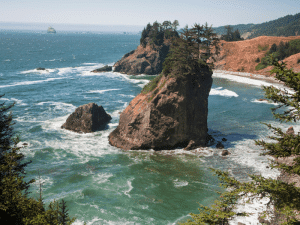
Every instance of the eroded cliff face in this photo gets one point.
(173, 115)
(148, 60)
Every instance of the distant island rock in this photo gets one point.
(172, 115)
(51, 30)
(103, 69)
(87, 118)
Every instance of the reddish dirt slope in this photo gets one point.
(240, 56)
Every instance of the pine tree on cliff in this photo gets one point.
(191, 51)
(284, 196)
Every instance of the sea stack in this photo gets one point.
(173, 114)
(87, 118)
(51, 30)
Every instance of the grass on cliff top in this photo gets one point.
(152, 84)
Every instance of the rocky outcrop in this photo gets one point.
(174, 114)
(225, 153)
(51, 30)
(290, 130)
(103, 69)
(148, 60)
(87, 118)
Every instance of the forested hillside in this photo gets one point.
(285, 26)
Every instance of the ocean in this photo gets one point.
(103, 184)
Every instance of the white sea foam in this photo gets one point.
(29, 82)
(223, 92)
(83, 145)
(131, 96)
(88, 64)
(45, 181)
(60, 106)
(178, 183)
(102, 177)
(264, 102)
(254, 209)
(102, 91)
(46, 71)
(18, 102)
(129, 188)
(246, 153)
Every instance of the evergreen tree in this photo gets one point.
(13, 188)
(175, 24)
(285, 197)
(15, 205)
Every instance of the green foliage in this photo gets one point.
(285, 26)
(15, 205)
(151, 85)
(231, 35)
(263, 48)
(285, 197)
(257, 60)
(156, 34)
(280, 52)
(189, 54)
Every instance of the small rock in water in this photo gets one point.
(219, 145)
(224, 139)
(290, 130)
(239, 223)
(261, 99)
(87, 118)
(103, 69)
(225, 153)
(40, 68)
(25, 143)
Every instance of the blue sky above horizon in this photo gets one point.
(138, 12)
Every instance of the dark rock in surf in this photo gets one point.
(103, 69)
(87, 118)
(40, 68)
(225, 153)
(219, 145)
(224, 139)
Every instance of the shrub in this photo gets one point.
(298, 61)
(151, 85)
(263, 48)
(257, 60)
(260, 66)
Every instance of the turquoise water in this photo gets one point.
(103, 184)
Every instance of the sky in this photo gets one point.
(140, 12)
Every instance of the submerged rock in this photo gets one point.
(219, 145)
(103, 69)
(290, 130)
(40, 68)
(173, 114)
(225, 153)
(87, 118)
